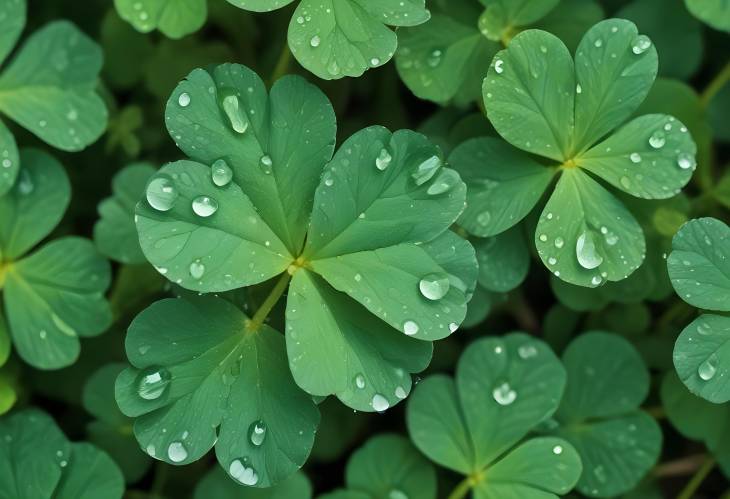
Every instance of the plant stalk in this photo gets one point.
(462, 489)
(265, 309)
(697, 479)
(282, 64)
(715, 85)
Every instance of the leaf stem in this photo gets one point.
(715, 85)
(697, 479)
(263, 312)
(282, 64)
(462, 489)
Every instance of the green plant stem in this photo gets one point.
(158, 483)
(462, 489)
(265, 309)
(680, 467)
(697, 479)
(282, 65)
(715, 85)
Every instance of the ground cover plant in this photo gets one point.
(364, 249)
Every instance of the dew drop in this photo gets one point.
(184, 99)
(635, 157)
(243, 474)
(265, 162)
(434, 58)
(383, 160)
(315, 41)
(197, 269)
(400, 392)
(483, 218)
(379, 403)
(586, 251)
(221, 173)
(559, 242)
(237, 118)
(527, 351)
(360, 381)
(685, 161)
(498, 66)
(657, 139)
(426, 170)
(257, 433)
(410, 328)
(177, 452)
(161, 193)
(640, 44)
(204, 206)
(397, 494)
(434, 286)
(708, 368)
(557, 450)
(153, 382)
(504, 394)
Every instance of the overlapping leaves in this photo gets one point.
(48, 87)
(55, 294)
(544, 103)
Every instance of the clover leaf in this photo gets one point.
(698, 268)
(216, 484)
(262, 178)
(55, 294)
(716, 13)
(36, 460)
(174, 18)
(474, 424)
(503, 260)
(111, 430)
(543, 103)
(115, 234)
(599, 414)
(48, 87)
(502, 18)
(388, 466)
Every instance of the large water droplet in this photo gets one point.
(380, 403)
(383, 160)
(161, 193)
(410, 328)
(236, 116)
(153, 382)
(708, 368)
(242, 473)
(257, 432)
(587, 252)
(197, 269)
(184, 99)
(445, 181)
(434, 286)
(221, 173)
(640, 44)
(426, 170)
(177, 452)
(204, 206)
(657, 139)
(504, 394)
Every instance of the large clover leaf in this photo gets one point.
(36, 460)
(369, 291)
(473, 424)
(175, 18)
(48, 87)
(544, 103)
(700, 273)
(716, 13)
(55, 294)
(599, 415)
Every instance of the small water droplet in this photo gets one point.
(197, 269)
(315, 41)
(426, 170)
(657, 139)
(266, 163)
(257, 433)
(360, 381)
(640, 44)
(379, 403)
(504, 394)
(184, 99)
(434, 58)
(177, 452)
(527, 351)
(153, 382)
(221, 173)
(498, 66)
(635, 157)
(483, 218)
(685, 161)
(204, 206)
(383, 160)
(397, 494)
(400, 392)
(434, 286)
(708, 368)
(557, 450)
(559, 242)
(161, 193)
(410, 328)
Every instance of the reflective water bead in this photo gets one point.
(236, 116)
(504, 394)
(400, 392)
(559, 242)
(266, 163)
(686, 160)
(527, 351)
(426, 170)
(221, 173)
(184, 99)
(153, 382)
(197, 269)
(706, 371)
(635, 157)
(360, 381)
(161, 193)
(498, 66)
(410, 328)
(243, 474)
(177, 452)
(587, 252)
(257, 433)
(315, 41)
(379, 403)
(383, 160)
(557, 450)
(204, 206)
(445, 181)
(657, 139)
(640, 44)
(483, 218)
(434, 286)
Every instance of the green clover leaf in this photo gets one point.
(243, 220)
(542, 102)
(200, 379)
(55, 294)
(716, 13)
(36, 460)
(111, 430)
(502, 18)
(115, 234)
(48, 87)
(474, 423)
(216, 484)
(174, 18)
(698, 268)
(599, 414)
(503, 260)
(388, 466)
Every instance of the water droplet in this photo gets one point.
(315, 41)
(708, 368)
(578, 89)
(197, 269)
(184, 99)
(527, 351)
(379, 403)
(161, 193)
(657, 139)
(625, 182)
(410, 328)
(445, 181)
(397, 494)
(153, 382)
(245, 475)
(596, 280)
(400, 392)
(586, 251)
(257, 433)
(204, 206)
(641, 44)
(177, 452)
(434, 286)
(434, 58)
(504, 394)
(360, 381)
(559, 242)
(686, 160)
(557, 450)
(221, 173)
(483, 218)
(426, 170)
(374, 61)
(236, 116)
(453, 327)
(635, 157)
(266, 163)
(383, 160)
(498, 66)
(598, 43)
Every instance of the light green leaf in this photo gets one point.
(716, 13)
(528, 94)
(175, 18)
(115, 233)
(12, 22)
(91, 474)
(698, 264)
(503, 260)
(503, 388)
(9, 159)
(49, 87)
(388, 466)
(54, 296)
(585, 236)
(615, 67)
(651, 157)
(335, 346)
(216, 484)
(504, 184)
(599, 415)
(338, 38)
(219, 384)
(35, 205)
(260, 5)
(503, 17)
(277, 161)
